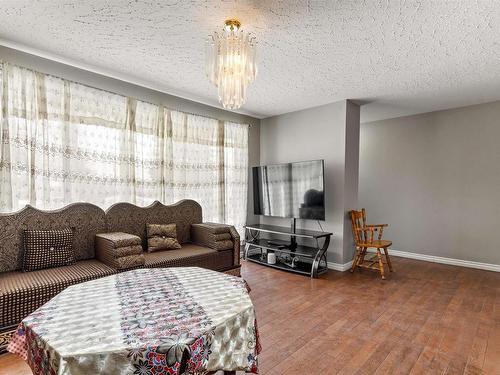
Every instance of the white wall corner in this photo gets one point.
(339, 266)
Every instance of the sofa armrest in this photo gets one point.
(119, 250)
(218, 237)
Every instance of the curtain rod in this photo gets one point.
(125, 96)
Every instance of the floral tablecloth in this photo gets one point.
(151, 321)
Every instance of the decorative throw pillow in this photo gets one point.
(162, 237)
(47, 248)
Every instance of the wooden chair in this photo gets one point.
(364, 238)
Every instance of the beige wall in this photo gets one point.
(120, 87)
(435, 178)
(329, 132)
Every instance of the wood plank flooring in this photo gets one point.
(426, 318)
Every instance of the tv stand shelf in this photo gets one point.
(309, 260)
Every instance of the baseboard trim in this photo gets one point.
(443, 260)
(339, 266)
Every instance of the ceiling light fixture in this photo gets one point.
(231, 63)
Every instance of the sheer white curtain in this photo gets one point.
(235, 174)
(196, 164)
(63, 142)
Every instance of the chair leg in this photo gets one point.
(356, 258)
(380, 264)
(388, 258)
(362, 257)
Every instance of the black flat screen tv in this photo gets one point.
(291, 190)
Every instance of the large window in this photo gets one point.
(64, 142)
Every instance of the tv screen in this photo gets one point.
(293, 190)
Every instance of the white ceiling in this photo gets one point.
(401, 57)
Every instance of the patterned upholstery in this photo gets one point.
(214, 236)
(85, 218)
(127, 262)
(237, 244)
(119, 239)
(128, 218)
(21, 293)
(119, 250)
(162, 237)
(190, 255)
(47, 249)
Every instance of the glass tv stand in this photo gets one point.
(290, 256)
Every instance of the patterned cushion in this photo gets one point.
(119, 239)
(48, 248)
(214, 228)
(119, 250)
(213, 235)
(162, 237)
(21, 293)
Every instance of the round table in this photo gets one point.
(185, 320)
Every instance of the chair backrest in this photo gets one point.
(358, 220)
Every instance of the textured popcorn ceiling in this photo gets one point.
(401, 57)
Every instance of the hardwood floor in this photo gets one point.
(426, 318)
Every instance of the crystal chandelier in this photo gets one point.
(231, 63)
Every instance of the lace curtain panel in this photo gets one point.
(64, 142)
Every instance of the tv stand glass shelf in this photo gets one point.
(290, 256)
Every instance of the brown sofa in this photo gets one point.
(23, 292)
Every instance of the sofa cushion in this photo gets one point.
(119, 239)
(214, 228)
(48, 248)
(21, 293)
(213, 235)
(125, 262)
(190, 255)
(119, 250)
(162, 237)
